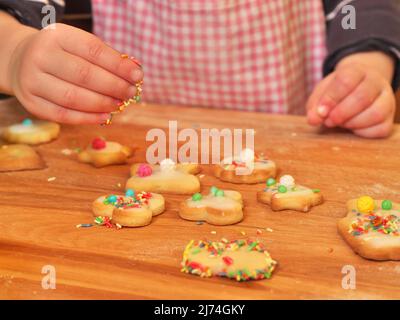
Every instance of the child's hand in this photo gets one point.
(357, 96)
(70, 76)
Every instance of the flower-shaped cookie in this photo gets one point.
(242, 260)
(245, 169)
(17, 157)
(31, 132)
(103, 153)
(219, 207)
(167, 177)
(131, 210)
(286, 194)
(372, 228)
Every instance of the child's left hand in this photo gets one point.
(357, 96)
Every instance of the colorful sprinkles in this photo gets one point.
(223, 250)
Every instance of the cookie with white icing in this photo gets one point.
(31, 132)
(242, 260)
(286, 194)
(246, 168)
(219, 207)
(167, 177)
(372, 228)
(101, 153)
(18, 157)
(131, 210)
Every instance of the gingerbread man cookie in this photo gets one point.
(31, 132)
(219, 207)
(167, 177)
(286, 194)
(242, 260)
(19, 157)
(103, 153)
(372, 228)
(245, 169)
(131, 210)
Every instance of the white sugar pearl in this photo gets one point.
(286, 180)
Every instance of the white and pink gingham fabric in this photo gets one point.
(254, 55)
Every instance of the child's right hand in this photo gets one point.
(70, 76)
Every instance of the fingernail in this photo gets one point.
(329, 123)
(322, 111)
(137, 75)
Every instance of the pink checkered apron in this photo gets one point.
(254, 55)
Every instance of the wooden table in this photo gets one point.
(38, 218)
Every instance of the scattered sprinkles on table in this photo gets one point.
(226, 251)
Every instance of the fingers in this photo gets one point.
(331, 92)
(92, 49)
(54, 112)
(379, 111)
(87, 75)
(357, 101)
(315, 116)
(381, 130)
(70, 96)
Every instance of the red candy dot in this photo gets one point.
(98, 144)
(227, 260)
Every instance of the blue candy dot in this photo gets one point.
(130, 193)
(27, 122)
(112, 199)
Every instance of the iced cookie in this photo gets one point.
(286, 194)
(372, 228)
(103, 153)
(241, 260)
(245, 169)
(167, 177)
(131, 210)
(219, 207)
(31, 132)
(18, 157)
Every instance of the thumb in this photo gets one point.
(316, 113)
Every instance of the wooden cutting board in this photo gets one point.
(38, 217)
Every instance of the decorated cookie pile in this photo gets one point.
(219, 207)
(372, 228)
(242, 260)
(131, 210)
(286, 194)
(245, 169)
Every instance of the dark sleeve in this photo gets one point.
(29, 12)
(377, 29)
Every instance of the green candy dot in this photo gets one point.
(387, 205)
(271, 182)
(214, 190)
(220, 193)
(282, 189)
(197, 197)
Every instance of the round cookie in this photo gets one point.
(31, 132)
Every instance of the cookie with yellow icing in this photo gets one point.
(167, 177)
(219, 207)
(130, 210)
(242, 260)
(101, 153)
(18, 157)
(31, 132)
(372, 228)
(245, 168)
(285, 194)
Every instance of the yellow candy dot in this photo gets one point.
(365, 204)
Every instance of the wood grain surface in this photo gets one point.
(38, 217)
